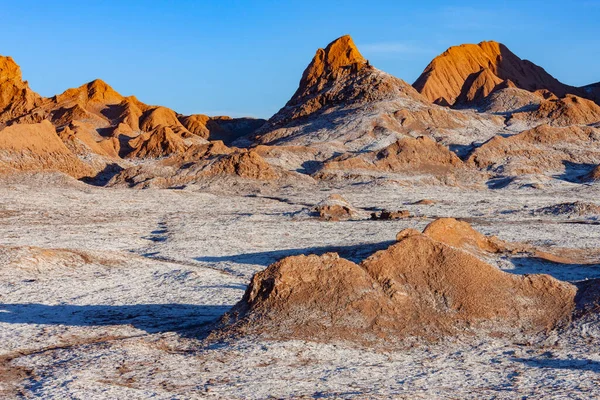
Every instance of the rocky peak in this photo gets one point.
(341, 57)
(458, 71)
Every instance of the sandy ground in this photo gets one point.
(108, 293)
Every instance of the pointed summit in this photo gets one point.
(16, 98)
(95, 91)
(340, 57)
(456, 74)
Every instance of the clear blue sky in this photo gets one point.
(246, 57)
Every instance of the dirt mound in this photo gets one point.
(461, 234)
(569, 110)
(335, 208)
(417, 287)
(543, 149)
(412, 155)
(37, 147)
(468, 72)
(245, 164)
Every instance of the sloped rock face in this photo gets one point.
(540, 150)
(195, 164)
(338, 75)
(158, 143)
(416, 155)
(461, 234)
(16, 98)
(469, 72)
(245, 164)
(34, 147)
(101, 126)
(417, 287)
(221, 128)
(343, 104)
(569, 110)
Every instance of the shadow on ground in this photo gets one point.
(355, 253)
(575, 171)
(563, 272)
(151, 318)
(555, 363)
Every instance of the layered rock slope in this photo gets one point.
(472, 71)
(343, 103)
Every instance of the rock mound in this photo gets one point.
(197, 163)
(413, 155)
(418, 287)
(335, 208)
(471, 71)
(461, 234)
(160, 142)
(543, 149)
(37, 147)
(245, 164)
(569, 110)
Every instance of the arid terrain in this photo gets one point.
(372, 239)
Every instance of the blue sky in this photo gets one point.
(246, 57)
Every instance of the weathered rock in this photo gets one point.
(417, 287)
(390, 215)
(335, 208)
(469, 72)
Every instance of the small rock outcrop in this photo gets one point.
(335, 208)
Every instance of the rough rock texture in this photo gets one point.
(160, 142)
(101, 126)
(540, 150)
(225, 129)
(416, 155)
(390, 215)
(470, 71)
(35, 147)
(335, 208)
(194, 164)
(575, 209)
(345, 104)
(461, 234)
(417, 287)
(16, 98)
(569, 110)
(245, 164)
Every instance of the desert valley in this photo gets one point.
(372, 239)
